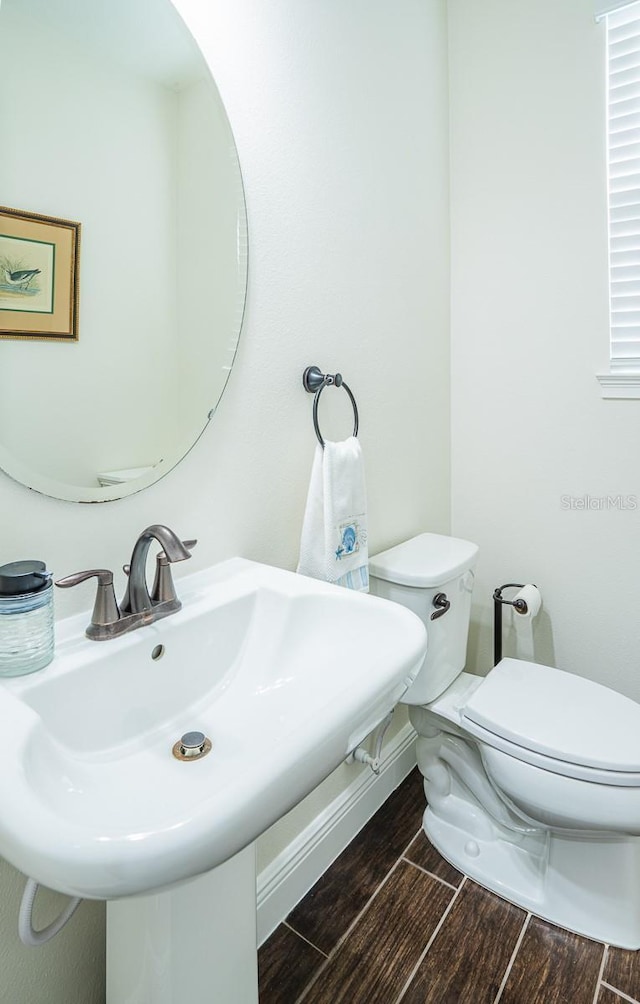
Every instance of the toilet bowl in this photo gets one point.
(531, 774)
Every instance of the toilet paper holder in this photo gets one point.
(499, 601)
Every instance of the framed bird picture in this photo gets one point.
(39, 276)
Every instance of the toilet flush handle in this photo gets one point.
(442, 604)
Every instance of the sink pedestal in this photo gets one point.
(194, 942)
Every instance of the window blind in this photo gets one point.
(623, 114)
(604, 7)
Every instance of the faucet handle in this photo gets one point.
(105, 608)
(163, 589)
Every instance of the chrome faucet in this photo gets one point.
(139, 606)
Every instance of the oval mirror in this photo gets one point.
(122, 197)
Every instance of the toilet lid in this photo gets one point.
(559, 715)
(425, 561)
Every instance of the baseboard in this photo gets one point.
(298, 867)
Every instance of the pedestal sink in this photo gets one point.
(282, 673)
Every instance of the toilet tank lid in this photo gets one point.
(558, 714)
(427, 560)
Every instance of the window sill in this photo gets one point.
(619, 385)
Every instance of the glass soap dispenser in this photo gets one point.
(26, 617)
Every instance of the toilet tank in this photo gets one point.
(414, 573)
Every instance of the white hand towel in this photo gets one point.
(333, 545)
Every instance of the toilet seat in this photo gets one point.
(557, 721)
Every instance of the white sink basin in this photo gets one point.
(284, 674)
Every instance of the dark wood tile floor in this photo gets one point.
(391, 922)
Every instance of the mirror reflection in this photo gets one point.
(120, 128)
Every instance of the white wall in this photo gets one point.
(339, 113)
(529, 333)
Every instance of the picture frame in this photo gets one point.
(39, 276)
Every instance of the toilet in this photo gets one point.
(531, 774)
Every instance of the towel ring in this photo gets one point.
(314, 382)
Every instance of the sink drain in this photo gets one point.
(192, 746)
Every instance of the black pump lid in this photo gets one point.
(20, 577)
